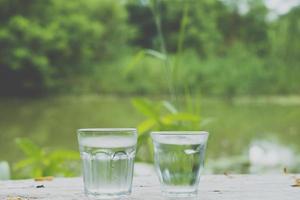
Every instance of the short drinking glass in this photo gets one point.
(107, 161)
(178, 159)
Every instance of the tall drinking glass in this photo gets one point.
(178, 159)
(107, 160)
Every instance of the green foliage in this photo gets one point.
(42, 162)
(161, 116)
(77, 46)
(210, 26)
(200, 23)
(225, 76)
(46, 50)
(228, 53)
(228, 75)
(284, 59)
(52, 122)
(87, 46)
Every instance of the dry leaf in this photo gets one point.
(15, 198)
(226, 174)
(45, 178)
(285, 170)
(297, 183)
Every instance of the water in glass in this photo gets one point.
(107, 165)
(178, 161)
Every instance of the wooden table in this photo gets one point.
(212, 187)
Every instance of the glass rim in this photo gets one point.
(172, 133)
(106, 129)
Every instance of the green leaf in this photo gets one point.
(206, 121)
(146, 126)
(28, 147)
(146, 108)
(135, 61)
(156, 54)
(23, 163)
(169, 107)
(169, 119)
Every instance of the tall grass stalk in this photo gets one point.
(172, 69)
(155, 8)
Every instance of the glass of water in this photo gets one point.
(107, 160)
(178, 159)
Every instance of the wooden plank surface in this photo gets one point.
(212, 187)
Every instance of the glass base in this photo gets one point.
(111, 196)
(179, 191)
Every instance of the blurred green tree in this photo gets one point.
(45, 45)
(283, 62)
(201, 24)
(76, 47)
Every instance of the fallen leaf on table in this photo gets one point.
(15, 198)
(297, 183)
(226, 174)
(45, 178)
